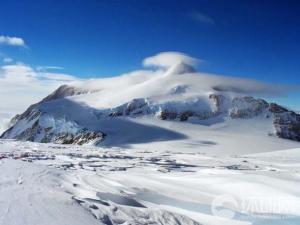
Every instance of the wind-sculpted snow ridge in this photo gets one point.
(89, 111)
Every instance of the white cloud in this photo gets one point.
(57, 76)
(46, 68)
(167, 59)
(202, 18)
(14, 41)
(244, 86)
(7, 60)
(23, 73)
(4, 121)
(22, 85)
(17, 73)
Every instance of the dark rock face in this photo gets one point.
(14, 120)
(184, 116)
(217, 99)
(82, 137)
(274, 108)
(135, 107)
(219, 102)
(247, 107)
(286, 123)
(166, 115)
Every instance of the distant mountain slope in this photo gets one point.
(80, 114)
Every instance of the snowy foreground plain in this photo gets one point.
(229, 178)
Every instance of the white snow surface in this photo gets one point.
(65, 184)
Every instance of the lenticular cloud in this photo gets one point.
(167, 59)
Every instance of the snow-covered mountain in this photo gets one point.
(90, 111)
(173, 147)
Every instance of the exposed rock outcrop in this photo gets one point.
(247, 107)
(286, 123)
(84, 136)
(135, 107)
(274, 108)
(184, 115)
(220, 103)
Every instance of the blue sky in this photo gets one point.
(252, 39)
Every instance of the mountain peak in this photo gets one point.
(180, 68)
(64, 91)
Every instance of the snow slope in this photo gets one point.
(110, 111)
(67, 184)
(31, 194)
